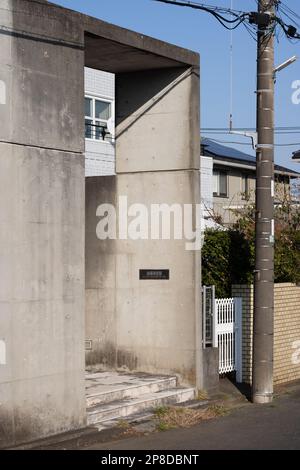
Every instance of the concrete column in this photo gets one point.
(41, 223)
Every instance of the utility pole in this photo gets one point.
(262, 365)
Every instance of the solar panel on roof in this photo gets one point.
(223, 151)
(227, 152)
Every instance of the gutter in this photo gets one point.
(252, 167)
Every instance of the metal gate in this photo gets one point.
(222, 328)
(228, 335)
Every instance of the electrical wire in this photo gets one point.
(239, 16)
(264, 34)
(224, 17)
(282, 5)
(225, 129)
(295, 144)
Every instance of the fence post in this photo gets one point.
(238, 339)
(215, 324)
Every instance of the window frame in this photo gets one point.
(246, 193)
(95, 120)
(219, 172)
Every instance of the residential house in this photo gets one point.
(228, 179)
(99, 122)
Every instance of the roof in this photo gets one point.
(214, 149)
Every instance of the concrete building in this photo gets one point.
(49, 252)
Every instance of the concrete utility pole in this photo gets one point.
(262, 374)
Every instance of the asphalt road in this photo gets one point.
(275, 426)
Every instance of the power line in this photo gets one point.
(226, 130)
(283, 6)
(262, 20)
(218, 12)
(204, 6)
(296, 144)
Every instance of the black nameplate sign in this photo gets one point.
(155, 274)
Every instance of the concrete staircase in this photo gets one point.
(113, 396)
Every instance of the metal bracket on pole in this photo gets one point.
(251, 135)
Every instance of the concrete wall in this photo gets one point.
(286, 331)
(42, 227)
(43, 52)
(147, 325)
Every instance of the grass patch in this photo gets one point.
(218, 410)
(123, 424)
(202, 395)
(163, 426)
(170, 417)
(161, 411)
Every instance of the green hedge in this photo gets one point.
(228, 258)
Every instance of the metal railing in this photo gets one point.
(98, 133)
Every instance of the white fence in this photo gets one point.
(227, 335)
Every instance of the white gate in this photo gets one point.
(227, 335)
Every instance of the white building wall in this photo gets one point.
(206, 195)
(99, 156)
(206, 173)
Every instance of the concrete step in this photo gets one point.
(129, 406)
(104, 389)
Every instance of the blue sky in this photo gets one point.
(199, 31)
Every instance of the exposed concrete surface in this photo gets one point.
(43, 52)
(112, 396)
(162, 106)
(211, 368)
(108, 47)
(41, 292)
(42, 230)
(44, 81)
(149, 326)
(111, 385)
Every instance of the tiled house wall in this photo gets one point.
(286, 331)
(99, 156)
(206, 176)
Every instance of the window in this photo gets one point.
(245, 186)
(220, 183)
(97, 114)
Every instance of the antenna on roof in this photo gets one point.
(251, 135)
(231, 76)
